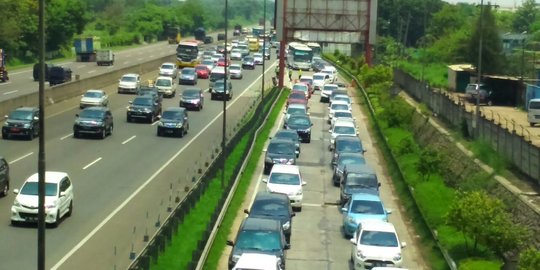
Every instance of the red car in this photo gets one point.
(202, 71)
(297, 97)
(221, 62)
(308, 81)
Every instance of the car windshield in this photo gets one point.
(304, 121)
(281, 148)
(344, 98)
(348, 146)
(258, 240)
(344, 130)
(248, 59)
(242, 47)
(142, 101)
(330, 87)
(339, 107)
(167, 66)
(95, 114)
(381, 239)
(350, 160)
(129, 79)
(31, 188)
(270, 208)
(188, 71)
(297, 96)
(219, 85)
(318, 77)
(284, 179)
(20, 115)
(343, 114)
(296, 111)
(191, 94)
(173, 115)
(361, 180)
(235, 68)
(300, 87)
(287, 135)
(93, 94)
(367, 207)
(235, 51)
(163, 82)
(257, 55)
(208, 62)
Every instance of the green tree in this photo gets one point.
(429, 162)
(524, 16)
(64, 18)
(529, 259)
(492, 57)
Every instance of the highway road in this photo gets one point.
(317, 241)
(123, 184)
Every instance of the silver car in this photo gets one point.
(169, 70)
(94, 98)
(235, 71)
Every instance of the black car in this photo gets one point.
(35, 72)
(346, 144)
(150, 91)
(273, 206)
(279, 151)
(292, 135)
(144, 107)
(219, 91)
(221, 36)
(248, 62)
(208, 39)
(23, 121)
(94, 121)
(344, 160)
(259, 235)
(58, 75)
(4, 177)
(192, 98)
(301, 124)
(360, 178)
(236, 32)
(174, 121)
(188, 76)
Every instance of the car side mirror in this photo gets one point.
(76, 115)
(311, 124)
(343, 209)
(130, 102)
(62, 194)
(16, 191)
(309, 114)
(265, 180)
(304, 183)
(287, 246)
(36, 118)
(264, 150)
(230, 243)
(293, 214)
(5, 116)
(246, 211)
(388, 211)
(353, 241)
(330, 130)
(403, 244)
(379, 184)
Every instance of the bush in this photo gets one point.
(529, 259)
(476, 264)
(397, 113)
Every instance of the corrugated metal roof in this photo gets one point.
(462, 67)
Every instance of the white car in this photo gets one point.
(94, 98)
(331, 72)
(257, 261)
(326, 92)
(342, 127)
(258, 58)
(235, 71)
(236, 54)
(319, 80)
(58, 199)
(287, 179)
(165, 86)
(340, 97)
(337, 105)
(216, 56)
(376, 243)
(129, 83)
(209, 63)
(168, 69)
(342, 114)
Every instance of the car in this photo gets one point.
(168, 69)
(362, 206)
(236, 54)
(319, 80)
(203, 72)
(279, 151)
(295, 108)
(221, 62)
(288, 180)
(244, 49)
(166, 86)
(307, 80)
(23, 121)
(248, 62)
(221, 36)
(302, 125)
(174, 121)
(472, 90)
(192, 98)
(302, 87)
(58, 75)
(267, 52)
(236, 32)
(326, 92)
(273, 206)
(4, 177)
(258, 235)
(340, 105)
(357, 178)
(219, 91)
(216, 57)
(152, 91)
(93, 121)
(346, 144)
(342, 128)
(342, 114)
(58, 199)
(287, 134)
(339, 97)
(376, 243)
(129, 83)
(331, 72)
(245, 31)
(94, 98)
(188, 76)
(258, 58)
(144, 107)
(209, 63)
(297, 97)
(344, 160)
(217, 73)
(235, 71)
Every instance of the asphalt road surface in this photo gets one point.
(122, 184)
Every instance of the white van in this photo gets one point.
(217, 73)
(533, 113)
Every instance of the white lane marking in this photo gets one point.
(20, 72)
(17, 159)
(92, 71)
(130, 138)
(91, 163)
(6, 83)
(312, 204)
(11, 92)
(155, 123)
(141, 187)
(67, 136)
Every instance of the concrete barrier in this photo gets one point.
(75, 88)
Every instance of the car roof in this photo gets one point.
(366, 197)
(30, 109)
(319, 74)
(343, 122)
(188, 68)
(360, 168)
(251, 260)
(284, 168)
(306, 77)
(167, 63)
(298, 105)
(340, 102)
(331, 84)
(253, 223)
(175, 109)
(287, 131)
(95, 90)
(130, 75)
(378, 225)
(349, 154)
(344, 111)
(96, 108)
(235, 65)
(279, 140)
(50, 177)
(534, 100)
(348, 138)
(164, 78)
(300, 83)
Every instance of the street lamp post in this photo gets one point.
(264, 50)
(224, 127)
(479, 68)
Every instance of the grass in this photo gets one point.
(435, 73)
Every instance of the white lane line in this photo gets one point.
(91, 163)
(17, 159)
(67, 136)
(155, 123)
(130, 138)
(11, 92)
(6, 83)
(141, 187)
(312, 204)
(92, 71)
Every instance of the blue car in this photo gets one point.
(362, 206)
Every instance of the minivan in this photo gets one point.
(533, 112)
(358, 178)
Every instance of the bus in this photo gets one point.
(257, 31)
(187, 53)
(315, 47)
(299, 56)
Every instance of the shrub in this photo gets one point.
(476, 264)
(529, 259)
(397, 114)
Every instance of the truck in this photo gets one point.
(237, 30)
(104, 57)
(86, 48)
(199, 33)
(173, 35)
(3, 71)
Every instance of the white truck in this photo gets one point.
(105, 57)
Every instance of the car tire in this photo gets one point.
(111, 130)
(70, 209)
(532, 124)
(103, 134)
(76, 134)
(308, 140)
(128, 119)
(266, 170)
(182, 133)
(56, 220)
(5, 190)
(490, 103)
(31, 135)
(14, 223)
(5, 136)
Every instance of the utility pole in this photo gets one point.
(226, 88)
(41, 154)
(264, 51)
(479, 69)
